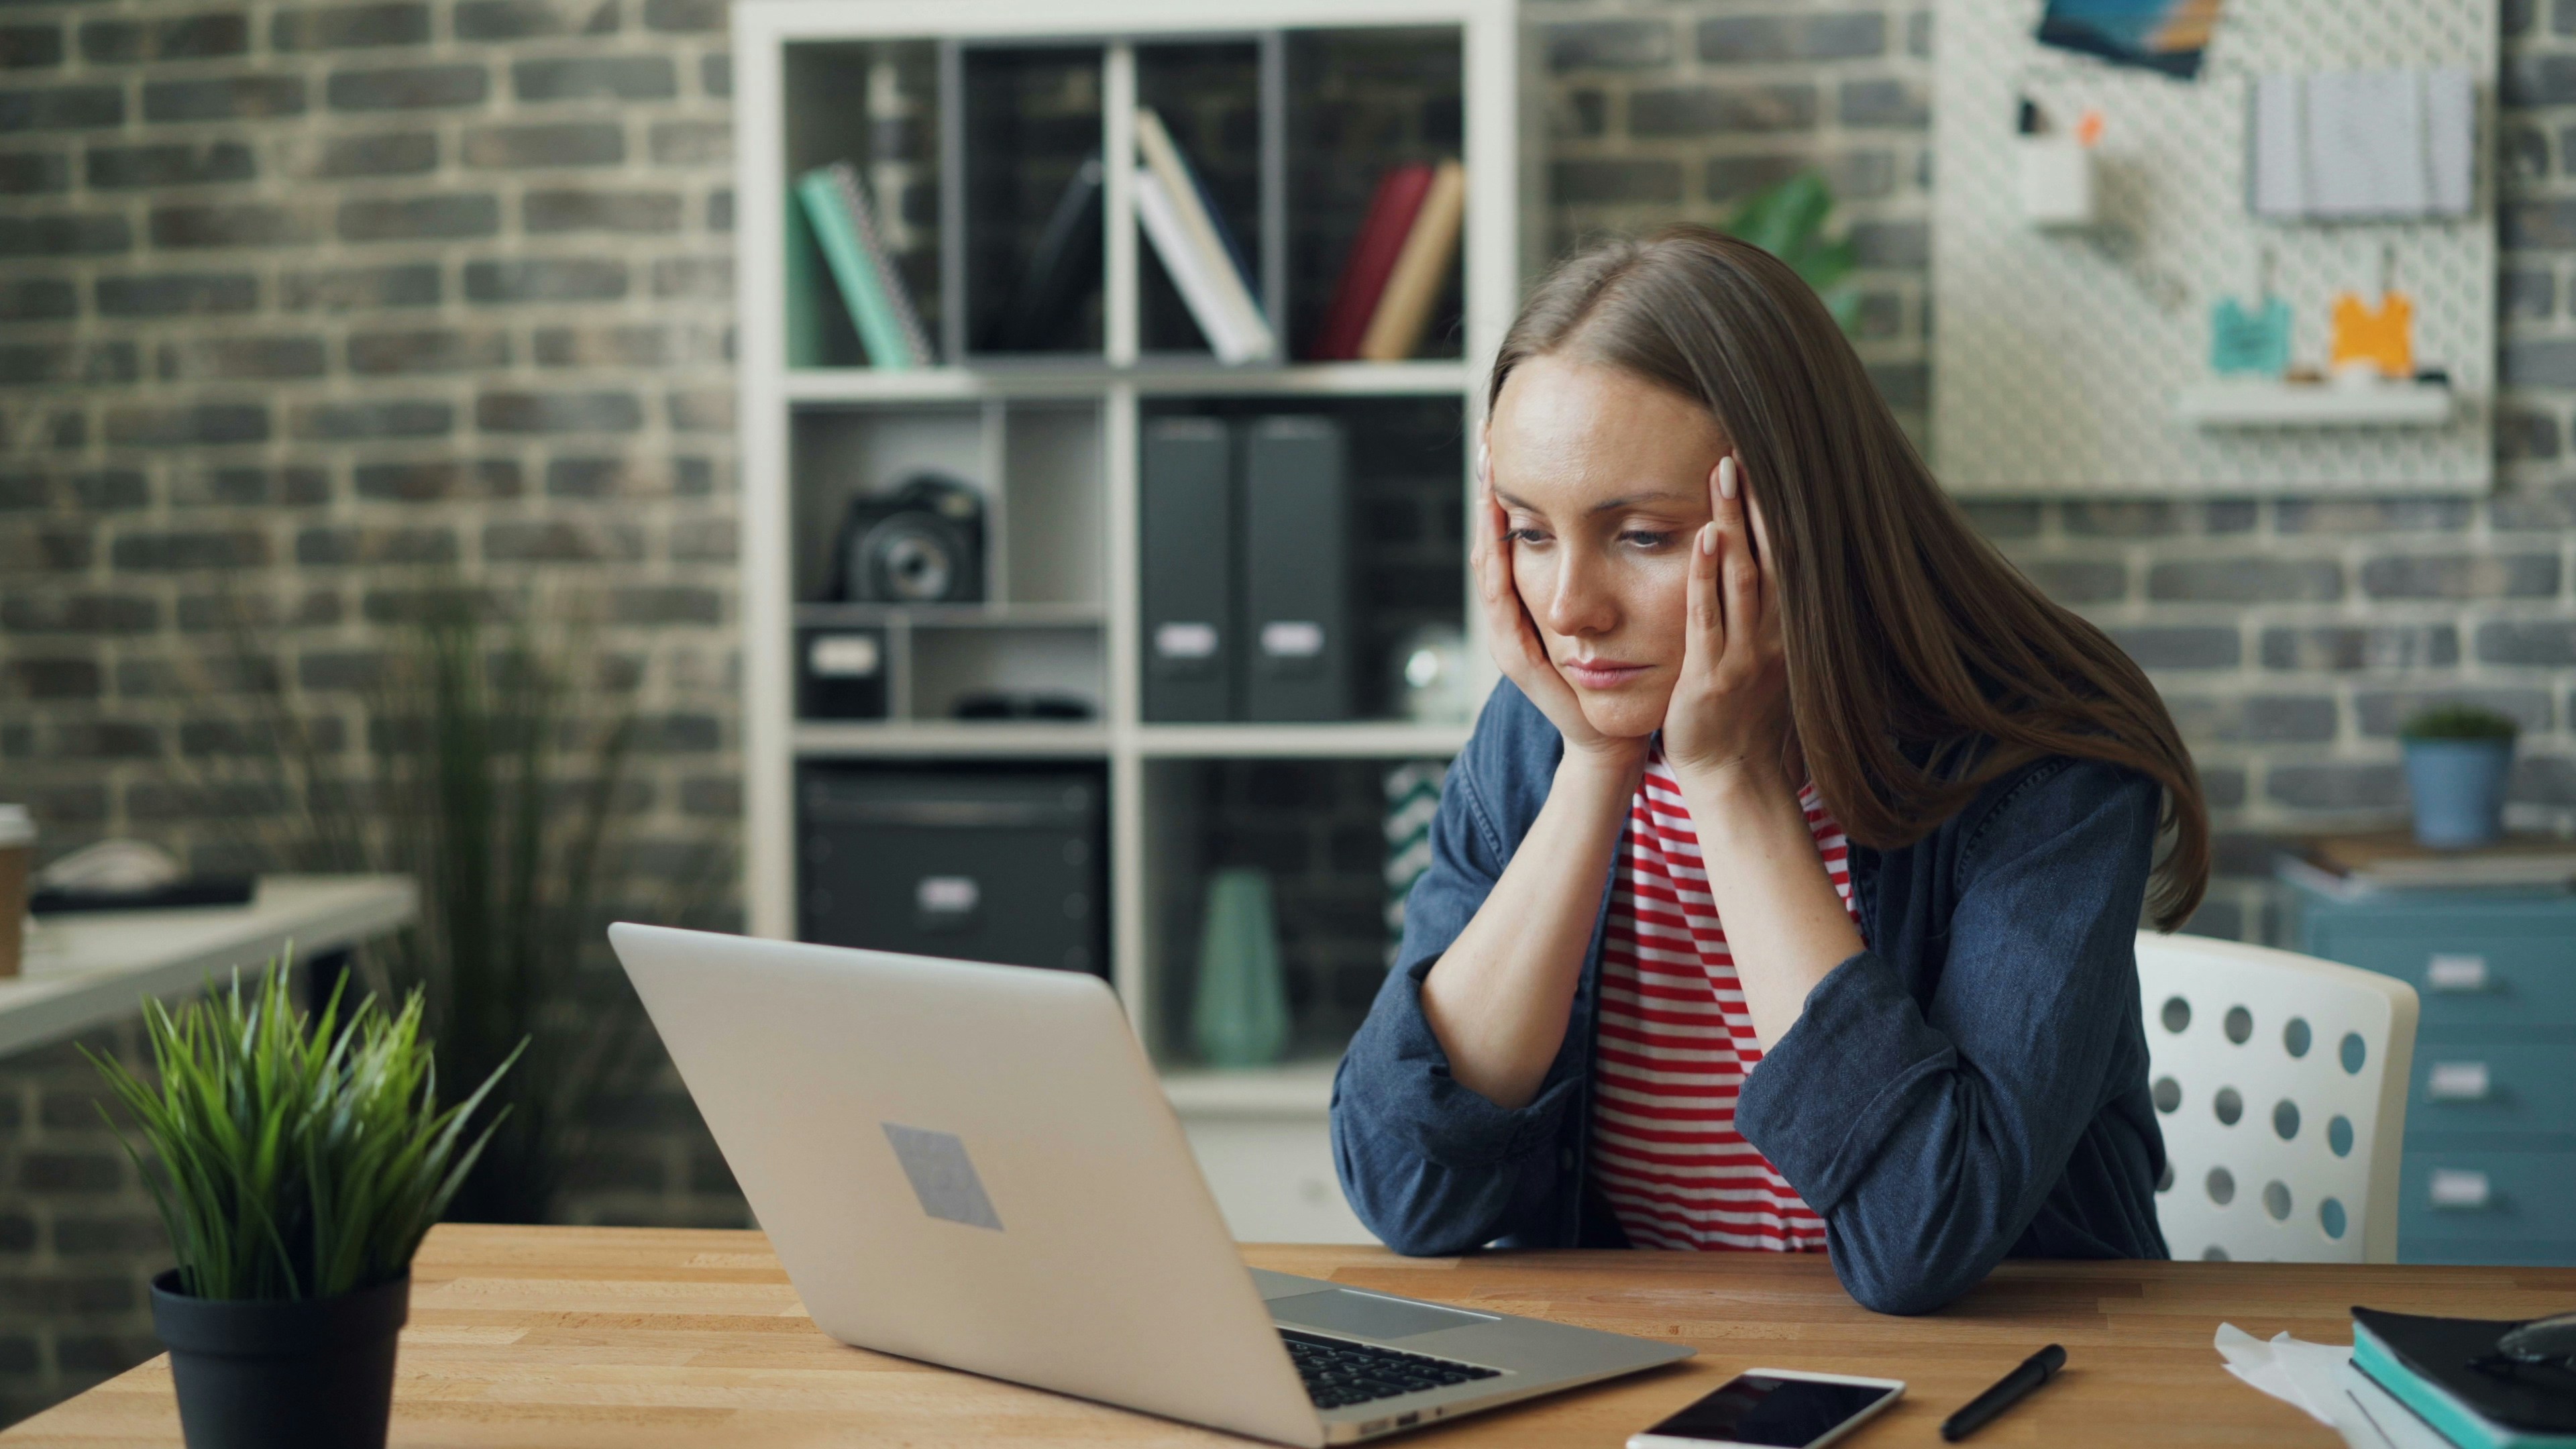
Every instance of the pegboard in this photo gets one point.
(2059, 357)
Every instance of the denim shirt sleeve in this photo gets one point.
(1927, 1135)
(1432, 1166)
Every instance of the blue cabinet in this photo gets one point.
(2490, 1169)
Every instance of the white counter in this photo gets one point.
(86, 969)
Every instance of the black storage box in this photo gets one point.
(979, 863)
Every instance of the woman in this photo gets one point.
(1786, 894)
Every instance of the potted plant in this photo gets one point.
(300, 1165)
(2458, 758)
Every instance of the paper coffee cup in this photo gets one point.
(17, 859)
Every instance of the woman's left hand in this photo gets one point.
(1729, 715)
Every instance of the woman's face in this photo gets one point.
(1604, 482)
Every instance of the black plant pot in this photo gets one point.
(257, 1374)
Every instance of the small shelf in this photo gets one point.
(1393, 739)
(1155, 376)
(1301, 1089)
(2269, 404)
(1036, 739)
(950, 616)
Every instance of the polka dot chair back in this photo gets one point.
(2280, 1083)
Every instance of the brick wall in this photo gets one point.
(312, 302)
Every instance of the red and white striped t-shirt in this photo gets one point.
(1675, 1042)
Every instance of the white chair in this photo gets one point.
(2280, 1083)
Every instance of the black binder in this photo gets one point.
(1296, 621)
(1190, 644)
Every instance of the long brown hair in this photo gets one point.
(1908, 637)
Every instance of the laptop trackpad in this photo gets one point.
(1347, 1310)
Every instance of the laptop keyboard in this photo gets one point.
(1340, 1373)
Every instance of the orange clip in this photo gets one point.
(2088, 128)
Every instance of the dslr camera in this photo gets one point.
(922, 543)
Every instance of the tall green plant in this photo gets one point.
(298, 1159)
(1788, 220)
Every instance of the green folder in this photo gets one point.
(861, 288)
(805, 320)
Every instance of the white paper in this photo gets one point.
(2286, 1368)
(2365, 143)
(2277, 185)
(2450, 138)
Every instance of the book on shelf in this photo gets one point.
(1392, 206)
(2347, 867)
(1413, 286)
(1063, 269)
(1205, 264)
(880, 304)
(2444, 1373)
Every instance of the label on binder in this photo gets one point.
(1185, 641)
(2456, 973)
(844, 656)
(2457, 1082)
(2456, 1188)
(946, 895)
(1292, 639)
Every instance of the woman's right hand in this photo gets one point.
(1517, 648)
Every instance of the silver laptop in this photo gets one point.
(974, 1165)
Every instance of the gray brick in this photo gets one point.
(215, 359)
(408, 88)
(2527, 641)
(2127, 518)
(2383, 712)
(685, 17)
(2371, 516)
(720, 209)
(522, 19)
(1906, 244)
(285, 487)
(181, 37)
(79, 614)
(37, 299)
(30, 47)
(1833, 35)
(666, 604)
(545, 279)
(344, 669)
(551, 143)
(359, 289)
(437, 480)
(187, 425)
(2522, 435)
(1905, 385)
(601, 77)
(72, 234)
(34, 173)
(701, 410)
(715, 74)
(705, 540)
(396, 153)
(233, 224)
(387, 418)
(62, 108)
(2335, 786)
(628, 213)
(558, 412)
(2254, 719)
(708, 279)
(198, 548)
(1889, 103)
(47, 551)
(2527, 294)
(25, 364)
(2180, 647)
(46, 679)
(2536, 225)
(2346, 647)
(2524, 151)
(692, 143)
(224, 98)
(2539, 362)
(2539, 80)
(349, 27)
(562, 540)
(171, 294)
(611, 345)
(398, 544)
(1607, 181)
(2246, 580)
(2002, 518)
(1721, 110)
(2543, 780)
(171, 163)
(427, 349)
(444, 217)
(1628, 44)
(2461, 576)
(2535, 508)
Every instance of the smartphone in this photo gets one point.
(1774, 1409)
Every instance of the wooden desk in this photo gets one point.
(628, 1337)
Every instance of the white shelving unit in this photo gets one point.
(1053, 442)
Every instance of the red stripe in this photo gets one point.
(1666, 1153)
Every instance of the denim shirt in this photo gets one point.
(1970, 1087)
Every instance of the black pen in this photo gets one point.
(2014, 1387)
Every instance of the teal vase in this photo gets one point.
(1240, 1016)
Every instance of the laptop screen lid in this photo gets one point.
(972, 1165)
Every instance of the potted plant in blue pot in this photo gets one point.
(2458, 760)
(299, 1165)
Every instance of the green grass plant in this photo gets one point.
(2457, 721)
(298, 1158)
